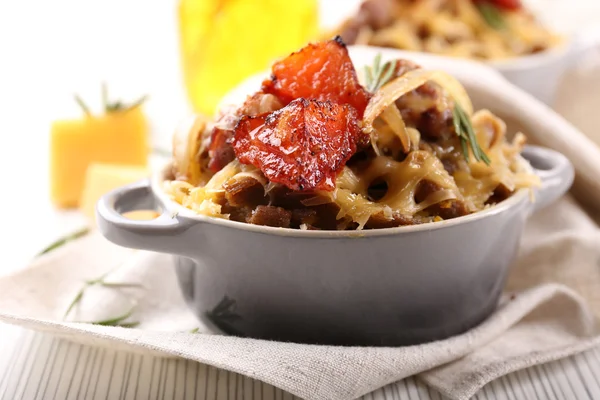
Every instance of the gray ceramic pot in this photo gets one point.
(384, 287)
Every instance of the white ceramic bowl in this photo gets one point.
(540, 74)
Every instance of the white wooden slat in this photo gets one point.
(37, 366)
(540, 373)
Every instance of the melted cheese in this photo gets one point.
(478, 184)
(403, 180)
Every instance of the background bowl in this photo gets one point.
(540, 74)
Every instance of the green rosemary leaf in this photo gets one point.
(129, 324)
(101, 278)
(387, 73)
(115, 285)
(465, 148)
(456, 122)
(492, 15)
(76, 300)
(116, 106)
(119, 105)
(138, 102)
(116, 321)
(465, 132)
(82, 104)
(195, 330)
(64, 240)
(377, 64)
(368, 77)
(378, 75)
(119, 285)
(468, 128)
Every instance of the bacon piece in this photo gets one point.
(321, 71)
(302, 146)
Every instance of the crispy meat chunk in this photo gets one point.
(447, 209)
(302, 146)
(501, 193)
(426, 108)
(379, 221)
(271, 216)
(221, 150)
(305, 216)
(322, 71)
(244, 191)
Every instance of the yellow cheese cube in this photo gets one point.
(117, 137)
(102, 178)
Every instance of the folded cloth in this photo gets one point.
(550, 310)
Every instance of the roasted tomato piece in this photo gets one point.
(321, 71)
(302, 146)
(220, 149)
(504, 4)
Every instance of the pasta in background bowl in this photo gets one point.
(501, 33)
(474, 29)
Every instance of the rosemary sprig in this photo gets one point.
(108, 106)
(75, 301)
(378, 75)
(82, 104)
(118, 321)
(101, 281)
(119, 105)
(464, 130)
(492, 15)
(64, 240)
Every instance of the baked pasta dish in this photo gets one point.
(315, 148)
(476, 29)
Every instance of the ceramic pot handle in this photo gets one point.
(160, 234)
(555, 171)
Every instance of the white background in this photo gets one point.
(51, 49)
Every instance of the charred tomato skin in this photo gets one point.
(320, 71)
(303, 146)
